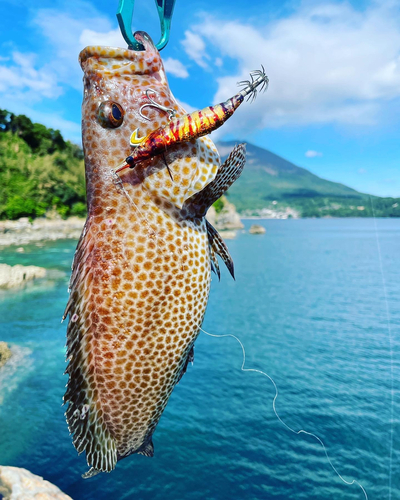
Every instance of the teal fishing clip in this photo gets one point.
(165, 10)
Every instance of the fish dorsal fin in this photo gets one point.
(147, 450)
(218, 245)
(84, 415)
(227, 174)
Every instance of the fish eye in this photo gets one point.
(110, 114)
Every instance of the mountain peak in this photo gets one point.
(268, 177)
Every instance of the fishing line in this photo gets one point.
(118, 182)
(389, 326)
(151, 231)
(302, 431)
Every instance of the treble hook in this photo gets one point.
(171, 112)
(165, 10)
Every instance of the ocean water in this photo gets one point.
(316, 304)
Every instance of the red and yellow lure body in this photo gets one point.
(190, 126)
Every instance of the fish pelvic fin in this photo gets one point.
(84, 414)
(214, 262)
(148, 449)
(218, 246)
(227, 174)
(189, 359)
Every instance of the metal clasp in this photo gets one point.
(165, 10)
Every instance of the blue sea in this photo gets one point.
(316, 304)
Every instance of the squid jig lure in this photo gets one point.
(192, 125)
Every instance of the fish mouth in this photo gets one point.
(145, 39)
(147, 57)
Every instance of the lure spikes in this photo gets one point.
(258, 78)
(193, 125)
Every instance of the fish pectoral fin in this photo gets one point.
(148, 449)
(227, 174)
(218, 245)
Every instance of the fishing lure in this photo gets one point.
(192, 125)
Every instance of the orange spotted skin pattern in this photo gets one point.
(141, 273)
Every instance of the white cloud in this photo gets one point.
(176, 68)
(195, 48)
(26, 79)
(67, 42)
(68, 128)
(22, 77)
(187, 107)
(111, 38)
(312, 154)
(362, 171)
(327, 63)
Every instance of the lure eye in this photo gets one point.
(110, 114)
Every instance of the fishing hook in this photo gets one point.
(171, 112)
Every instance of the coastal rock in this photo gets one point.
(22, 232)
(5, 353)
(15, 276)
(228, 235)
(276, 212)
(257, 229)
(20, 484)
(226, 218)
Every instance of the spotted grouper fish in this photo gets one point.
(141, 272)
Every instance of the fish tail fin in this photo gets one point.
(218, 246)
(227, 174)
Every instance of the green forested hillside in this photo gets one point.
(269, 181)
(39, 170)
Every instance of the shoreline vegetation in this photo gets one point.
(42, 174)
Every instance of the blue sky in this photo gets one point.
(333, 104)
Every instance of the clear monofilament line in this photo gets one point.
(302, 431)
(151, 231)
(389, 327)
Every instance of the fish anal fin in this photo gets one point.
(218, 245)
(148, 449)
(227, 174)
(189, 359)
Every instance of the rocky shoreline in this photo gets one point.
(20, 484)
(23, 232)
(17, 276)
(5, 353)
